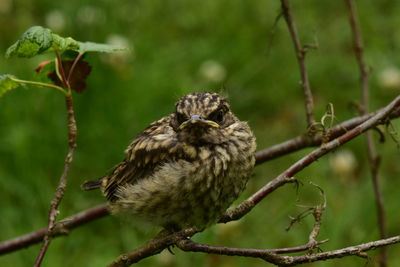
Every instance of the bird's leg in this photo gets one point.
(169, 229)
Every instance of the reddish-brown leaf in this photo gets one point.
(78, 77)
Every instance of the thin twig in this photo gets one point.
(373, 159)
(189, 245)
(72, 131)
(300, 55)
(317, 213)
(261, 156)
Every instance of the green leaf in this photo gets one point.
(38, 40)
(96, 47)
(64, 44)
(70, 55)
(7, 84)
(34, 41)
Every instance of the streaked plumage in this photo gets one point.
(185, 169)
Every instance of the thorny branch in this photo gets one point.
(72, 133)
(264, 155)
(301, 52)
(63, 180)
(373, 159)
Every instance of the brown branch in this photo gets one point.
(153, 247)
(189, 245)
(264, 155)
(61, 228)
(303, 141)
(373, 159)
(359, 53)
(294, 260)
(300, 55)
(273, 257)
(340, 253)
(72, 131)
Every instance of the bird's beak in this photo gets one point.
(196, 119)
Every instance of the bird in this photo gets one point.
(186, 169)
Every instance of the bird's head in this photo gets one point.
(202, 118)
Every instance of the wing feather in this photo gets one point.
(148, 151)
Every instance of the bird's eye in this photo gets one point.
(180, 118)
(217, 116)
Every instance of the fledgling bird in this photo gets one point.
(185, 169)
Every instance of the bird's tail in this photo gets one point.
(92, 184)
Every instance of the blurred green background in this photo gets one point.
(181, 46)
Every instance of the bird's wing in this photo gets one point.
(157, 144)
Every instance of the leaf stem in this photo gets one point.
(39, 84)
(60, 68)
(74, 65)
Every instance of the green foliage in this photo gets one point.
(7, 83)
(96, 47)
(38, 40)
(67, 71)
